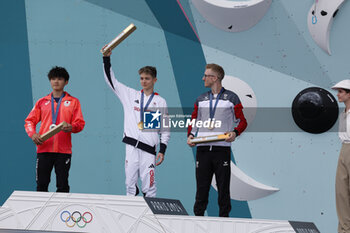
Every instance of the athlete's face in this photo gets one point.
(58, 83)
(343, 96)
(147, 81)
(209, 77)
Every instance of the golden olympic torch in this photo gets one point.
(116, 41)
(53, 131)
(212, 138)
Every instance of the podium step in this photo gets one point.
(26, 231)
(74, 212)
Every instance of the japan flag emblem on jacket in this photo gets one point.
(66, 103)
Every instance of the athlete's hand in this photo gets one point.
(232, 136)
(37, 139)
(108, 52)
(189, 142)
(160, 157)
(67, 128)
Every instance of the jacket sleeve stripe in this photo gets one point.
(194, 116)
(107, 68)
(242, 125)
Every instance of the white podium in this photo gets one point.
(73, 212)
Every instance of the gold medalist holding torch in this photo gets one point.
(141, 144)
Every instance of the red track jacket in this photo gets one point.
(70, 112)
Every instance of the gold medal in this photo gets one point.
(140, 125)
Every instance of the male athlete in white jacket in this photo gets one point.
(141, 144)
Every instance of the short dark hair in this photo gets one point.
(151, 70)
(216, 68)
(58, 71)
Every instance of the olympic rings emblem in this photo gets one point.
(76, 217)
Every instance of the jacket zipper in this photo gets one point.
(53, 143)
(53, 139)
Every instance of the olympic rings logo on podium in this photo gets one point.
(76, 218)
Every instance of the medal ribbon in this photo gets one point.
(211, 109)
(141, 104)
(55, 114)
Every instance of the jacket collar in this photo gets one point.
(67, 95)
(155, 93)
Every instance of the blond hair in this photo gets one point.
(217, 69)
